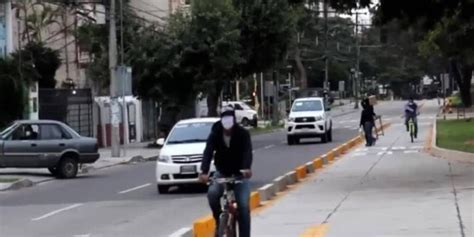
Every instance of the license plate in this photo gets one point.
(188, 169)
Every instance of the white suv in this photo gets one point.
(180, 157)
(309, 117)
(243, 113)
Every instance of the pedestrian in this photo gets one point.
(367, 121)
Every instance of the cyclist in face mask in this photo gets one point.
(231, 147)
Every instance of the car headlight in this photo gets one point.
(319, 118)
(165, 159)
(291, 119)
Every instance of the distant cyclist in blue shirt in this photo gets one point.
(411, 112)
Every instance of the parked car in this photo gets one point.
(180, 157)
(309, 117)
(46, 144)
(243, 113)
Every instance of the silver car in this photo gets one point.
(46, 144)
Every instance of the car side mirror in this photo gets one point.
(160, 142)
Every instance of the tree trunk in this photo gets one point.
(213, 99)
(301, 72)
(463, 76)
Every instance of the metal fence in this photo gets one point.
(71, 106)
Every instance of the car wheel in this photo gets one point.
(324, 137)
(290, 140)
(330, 135)
(245, 122)
(162, 189)
(53, 171)
(297, 140)
(67, 168)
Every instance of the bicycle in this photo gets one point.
(228, 218)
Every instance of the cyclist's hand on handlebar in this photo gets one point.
(204, 178)
(247, 174)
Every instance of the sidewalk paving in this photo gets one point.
(392, 189)
(134, 153)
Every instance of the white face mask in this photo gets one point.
(227, 122)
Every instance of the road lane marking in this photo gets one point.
(412, 151)
(398, 148)
(319, 230)
(180, 232)
(57, 211)
(86, 235)
(135, 188)
(268, 147)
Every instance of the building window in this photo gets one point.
(187, 2)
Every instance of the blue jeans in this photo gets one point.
(368, 128)
(242, 196)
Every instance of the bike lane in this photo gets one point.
(391, 189)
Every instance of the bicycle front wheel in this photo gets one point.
(226, 225)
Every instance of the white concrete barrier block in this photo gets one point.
(309, 167)
(325, 159)
(280, 183)
(291, 177)
(267, 192)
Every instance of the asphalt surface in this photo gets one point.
(123, 200)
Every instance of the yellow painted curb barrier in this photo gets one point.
(318, 163)
(300, 172)
(204, 227)
(330, 155)
(254, 200)
(344, 148)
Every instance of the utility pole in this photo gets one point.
(356, 77)
(326, 56)
(115, 109)
(8, 27)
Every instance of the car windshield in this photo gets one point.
(7, 130)
(190, 133)
(308, 105)
(245, 106)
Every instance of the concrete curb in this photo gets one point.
(280, 183)
(291, 178)
(309, 167)
(267, 192)
(446, 153)
(325, 159)
(22, 183)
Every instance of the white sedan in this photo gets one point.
(182, 152)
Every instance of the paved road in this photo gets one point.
(123, 201)
(391, 189)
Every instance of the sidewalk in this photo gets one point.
(134, 153)
(392, 189)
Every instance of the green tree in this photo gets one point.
(44, 60)
(213, 47)
(449, 33)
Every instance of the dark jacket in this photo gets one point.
(228, 160)
(367, 115)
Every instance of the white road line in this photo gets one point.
(86, 235)
(361, 149)
(408, 151)
(398, 148)
(57, 211)
(135, 188)
(359, 154)
(416, 147)
(268, 147)
(180, 232)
